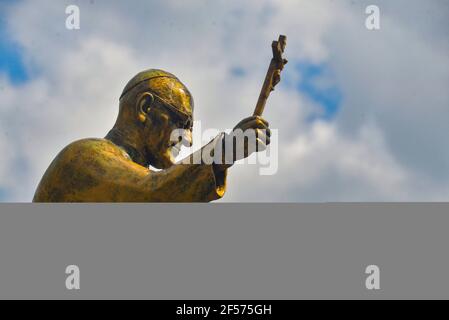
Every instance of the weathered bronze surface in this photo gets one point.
(116, 168)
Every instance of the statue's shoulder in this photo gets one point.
(84, 153)
(74, 169)
(89, 143)
(91, 147)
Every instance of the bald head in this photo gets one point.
(163, 84)
(154, 104)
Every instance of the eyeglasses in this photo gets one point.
(181, 119)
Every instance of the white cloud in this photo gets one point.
(393, 82)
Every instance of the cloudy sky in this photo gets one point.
(361, 115)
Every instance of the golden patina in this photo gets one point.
(97, 170)
(117, 168)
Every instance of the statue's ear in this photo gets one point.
(144, 104)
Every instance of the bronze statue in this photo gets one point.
(116, 168)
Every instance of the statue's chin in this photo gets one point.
(165, 161)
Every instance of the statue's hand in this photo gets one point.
(250, 135)
(257, 126)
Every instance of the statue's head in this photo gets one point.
(153, 104)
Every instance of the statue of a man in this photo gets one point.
(116, 168)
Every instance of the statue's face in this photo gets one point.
(167, 123)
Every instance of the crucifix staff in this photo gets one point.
(273, 74)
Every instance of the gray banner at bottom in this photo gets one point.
(224, 251)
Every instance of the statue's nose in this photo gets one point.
(187, 138)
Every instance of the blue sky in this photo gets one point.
(11, 61)
(11, 64)
(328, 97)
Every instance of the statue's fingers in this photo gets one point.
(261, 145)
(246, 120)
(255, 124)
(268, 132)
(267, 124)
(268, 141)
(247, 125)
(253, 119)
(262, 135)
